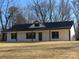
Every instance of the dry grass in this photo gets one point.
(40, 50)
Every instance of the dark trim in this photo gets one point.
(69, 35)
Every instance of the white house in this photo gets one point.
(37, 31)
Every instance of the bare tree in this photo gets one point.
(4, 13)
(51, 10)
(43, 10)
(28, 14)
(64, 10)
(16, 16)
(75, 8)
(1, 5)
(40, 10)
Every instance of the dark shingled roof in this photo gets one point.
(48, 25)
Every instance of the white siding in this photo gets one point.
(72, 32)
(21, 35)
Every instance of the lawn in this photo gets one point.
(40, 50)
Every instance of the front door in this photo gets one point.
(40, 36)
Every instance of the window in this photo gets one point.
(36, 24)
(55, 35)
(30, 35)
(13, 36)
